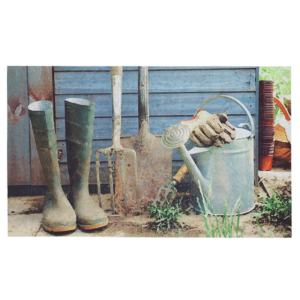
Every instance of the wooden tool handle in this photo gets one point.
(283, 109)
(181, 173)
(116, 91)
(143, 95)
(116, 71)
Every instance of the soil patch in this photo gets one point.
(132, 226)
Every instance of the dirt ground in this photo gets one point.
(25, 215)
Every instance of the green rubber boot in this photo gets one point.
(58, 214)
(79, 121)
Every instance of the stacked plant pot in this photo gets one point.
(266, 125)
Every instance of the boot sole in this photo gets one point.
(59, 229)
(90, 227)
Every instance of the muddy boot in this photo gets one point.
(79, 115)
(58, 214)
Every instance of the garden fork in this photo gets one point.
(116, 147)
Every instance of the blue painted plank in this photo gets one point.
(201, 81)
(92, 82)
(18, 146)
(187, 103)
(103, 126)
(159, 81)
(163, 104)
(199, 68)
(90, 68)
(127, 68)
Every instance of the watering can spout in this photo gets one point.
(194, 170)
(175, 137)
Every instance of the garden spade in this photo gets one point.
(154, 161)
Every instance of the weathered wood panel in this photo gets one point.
(202, 81)
(186, 104)
(169, 81)
(163, 104)
(107, 68)
(199, 68)
(40, 87)
(91, 68)
(92, 82)
(103, 126)
(18, 149)
(40, 84)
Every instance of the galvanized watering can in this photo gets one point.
(219, 174)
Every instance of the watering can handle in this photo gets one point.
(252, 129)
(283, 109)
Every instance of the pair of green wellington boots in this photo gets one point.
(79, 209)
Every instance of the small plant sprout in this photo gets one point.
(278, 208)
(217, 228)
(166, 214)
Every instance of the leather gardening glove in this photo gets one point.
(207, 130)
(229, 130)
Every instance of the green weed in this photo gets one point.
(166, 214)
(263, 235)
(277, 209)
(216, 227)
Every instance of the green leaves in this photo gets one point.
(264, 235)
(215, 228)
(166, 215)
(278, 208)
(281, 76)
